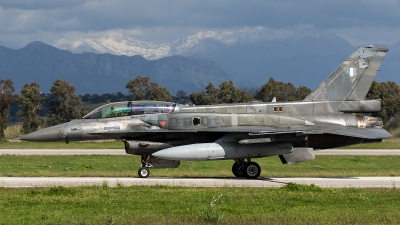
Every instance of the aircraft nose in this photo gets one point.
(54, 133)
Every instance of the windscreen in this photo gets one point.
(129, 108)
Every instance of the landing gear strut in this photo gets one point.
(144, 172)
(247, 169)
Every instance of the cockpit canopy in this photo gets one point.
(129, 108)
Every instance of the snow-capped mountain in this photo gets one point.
(301, 55)
(119, 44)
(249, 56)
(116, 44)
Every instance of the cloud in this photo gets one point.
(226, 13)
(367, 35)
(161, 21)
(39, 4)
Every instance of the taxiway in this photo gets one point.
(347, 182)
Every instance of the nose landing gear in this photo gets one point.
(144, 172)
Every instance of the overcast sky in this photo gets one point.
(359, 22)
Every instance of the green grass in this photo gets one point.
(392, 143)
(292, 204)
(382, 145)
(127, 166)
(62, 145)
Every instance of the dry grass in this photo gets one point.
(13, 131)
(392, 139)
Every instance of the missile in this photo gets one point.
(210, 151)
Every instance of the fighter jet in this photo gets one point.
(165, 133)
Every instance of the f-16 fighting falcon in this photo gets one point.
(165, 133)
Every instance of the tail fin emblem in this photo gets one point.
(351, 72)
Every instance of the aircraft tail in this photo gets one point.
(353, 78)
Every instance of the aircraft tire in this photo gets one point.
(143, 172)
(238, 169)
(252, 170)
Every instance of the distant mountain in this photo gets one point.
(104, 73)
(116, 44)
(119, 44)
(301, 55)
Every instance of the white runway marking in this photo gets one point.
(348, 182)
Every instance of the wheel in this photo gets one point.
(252, 170)
(237, 169)
(143, 172)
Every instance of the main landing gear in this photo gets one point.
(240, 168)
(247, 169)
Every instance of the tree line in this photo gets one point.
(63, 105)
(228, 93)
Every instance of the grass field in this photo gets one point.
(127, 166)
(111, 144)
(292, 204)
(62, 145)
(391, 143)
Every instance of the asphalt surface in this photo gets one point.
(122, 152)
(348, 182)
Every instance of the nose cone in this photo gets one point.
(54, 133)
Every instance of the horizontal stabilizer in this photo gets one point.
(366, 106)
(367, 133)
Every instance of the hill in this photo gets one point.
(104, 73)
(302, 55)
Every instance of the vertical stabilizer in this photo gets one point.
(353, 78)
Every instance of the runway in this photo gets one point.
(348, 182)
(122, 152)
